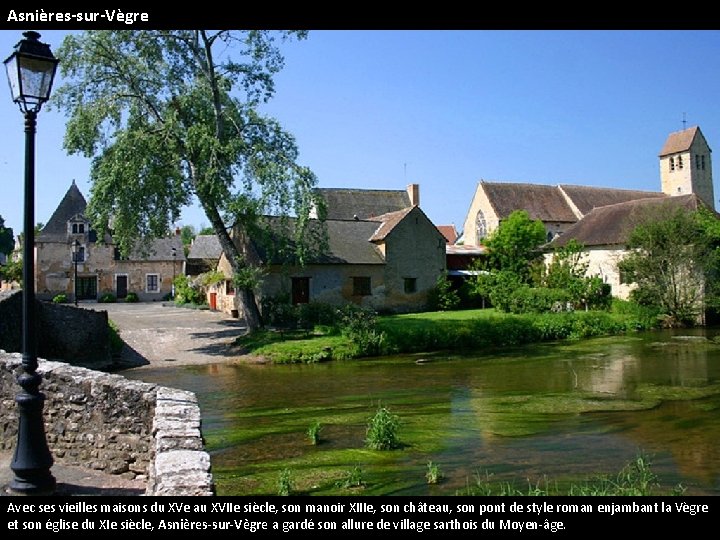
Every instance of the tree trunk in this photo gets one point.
(238, 261)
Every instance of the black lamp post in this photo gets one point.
(172, 285)
(75, 252)
(30, 70)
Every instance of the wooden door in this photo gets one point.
(121, 287)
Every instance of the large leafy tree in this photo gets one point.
(513, 246)
(172, 115)
(7, 240)
(673, 260)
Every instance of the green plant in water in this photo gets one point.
(382, 431)
(313, 432)
(351, 479)
(433, 474)
(635, 479)
(285, 485)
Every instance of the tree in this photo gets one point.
(187, 235)
(674, 262)
(172, 115)
(513, 246)
(7, 238)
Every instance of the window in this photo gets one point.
(410, 285)
(480, 226)
(697, 161)
(152, 283)
(680, 162)
(118, 256)
(229, 287)
(702, 162)
(78, 228)
(672, 163)
(361, 286)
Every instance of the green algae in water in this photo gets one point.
(565, 410)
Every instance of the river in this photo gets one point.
(555, 412)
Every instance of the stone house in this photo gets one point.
(147, 271)
(605, 231)
(388, 262)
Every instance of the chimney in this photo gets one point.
(414, 194)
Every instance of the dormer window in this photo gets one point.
(77, 227)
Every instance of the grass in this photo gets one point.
(477, 329)
(116, 342)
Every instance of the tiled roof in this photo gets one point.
(158, 249)
(541, 202)
(585, 198)
(388, 222)
(348, 242)
(449, 232)
(205, 246)
(679, 141)
(72, 204)
(348, 204)
(612, 225)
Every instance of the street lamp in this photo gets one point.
(75, 251)
(30, 71)
(172, 285)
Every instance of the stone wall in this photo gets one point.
(77, 336)
(109, 423)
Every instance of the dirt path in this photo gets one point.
(158, 335)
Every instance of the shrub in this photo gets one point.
(537, 300)
(442, 297)
(433, 474)
(60, 299)
(382, 431)
(131, 298)
(107, 298)
(285, 485)
(313, 432)
(186, 292)
(360, 326)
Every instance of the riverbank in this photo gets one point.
(476, 330)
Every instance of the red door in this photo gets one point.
(213, 301)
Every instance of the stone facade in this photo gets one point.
(55, 272)
(106, 422)
(602, 262)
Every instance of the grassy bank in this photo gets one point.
(452, 330)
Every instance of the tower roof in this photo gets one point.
(72, 204)
(679, 141)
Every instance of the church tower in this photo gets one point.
(686, 167)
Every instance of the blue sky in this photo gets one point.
(381, 109)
